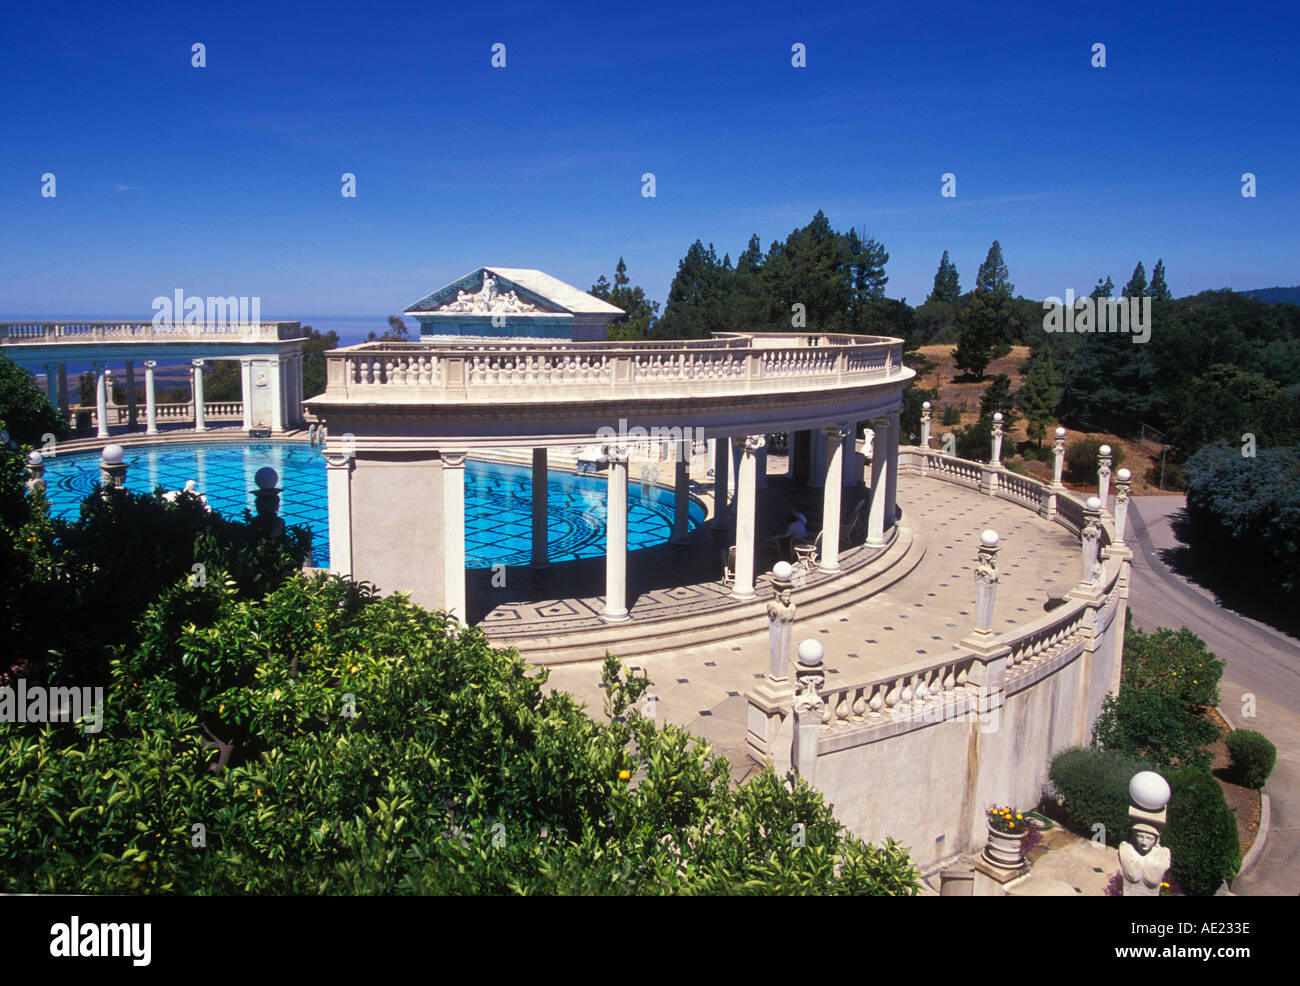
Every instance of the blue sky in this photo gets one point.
(226, 179)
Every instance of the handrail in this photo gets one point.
(29, 333)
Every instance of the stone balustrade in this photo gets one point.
(171, 411)
(489, 371)
(20, 333)
(923, 694)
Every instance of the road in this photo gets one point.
(1261, 662)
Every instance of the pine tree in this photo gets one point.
(1104, 290)
(1137, 284)
(988, 321)
(640, 311)
(1159, 290)
(868, 259)
(994, 278)
(997, 397)
(946, 286)
(1040, 394)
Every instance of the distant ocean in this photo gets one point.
(351, 329)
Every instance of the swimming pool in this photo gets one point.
(498, 497)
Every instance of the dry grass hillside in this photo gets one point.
(965, 395)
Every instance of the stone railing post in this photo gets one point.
(1090, 542)
(1103, 474)
(1123, 486)
(925, 425)
(112, 470)
(35, 472)
(808, 708)
(986, 581)
(266, 498)
(770, 701)
(996, 459)
(1058, 456)
(1142, 859)
(780, 623)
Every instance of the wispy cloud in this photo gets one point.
(121, 186)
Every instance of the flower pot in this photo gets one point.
(1005, 849)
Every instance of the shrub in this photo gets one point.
(1154, 726)
(976, 441)
(1201, 832)
(1253, 756)
(1081, 459)
(1093, 788)
(951, 415)
(1174, 662)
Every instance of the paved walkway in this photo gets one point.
(913, 622)
(1261, 662)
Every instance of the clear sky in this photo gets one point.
(226, 179)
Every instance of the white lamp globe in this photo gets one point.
(35, 458)
(1148, 790)
(782, 571)
(1060, 432)
(112, 455)
(810, 652)
(989, 538)
(1093, 503)
(997, 415)
(266, 478)
(1104, 450)
(1123, 475)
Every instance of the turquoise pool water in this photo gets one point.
(498, 497)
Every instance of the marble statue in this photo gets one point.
(1143, 861)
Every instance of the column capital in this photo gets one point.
(836, 431)
(749, 444)
(617, 454)
(198, 363)
(150, 364)
(453, 460)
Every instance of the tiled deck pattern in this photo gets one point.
(916, 620)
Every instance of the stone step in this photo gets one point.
(637, 638)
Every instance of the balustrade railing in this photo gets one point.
(929, 693)
(29, 333)
(563, 370)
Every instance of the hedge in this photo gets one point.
(1093, 786)
(1253, 756)
(1201, 832)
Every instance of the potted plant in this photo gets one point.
(1006, 845)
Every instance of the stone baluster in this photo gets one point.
(1123, 486)
(1058, 456)
(1103, 474)
(809, 707)
(986, 581)
(1090, 542)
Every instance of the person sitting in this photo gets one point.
(796, 528)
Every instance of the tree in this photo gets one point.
(1109, 384)
(1106, 290)
(997, 397)
(1227, 402)
(1159, 290)
(313, 360)
(24, 410)
(867, 259)
(638, 310)
(698, 299)
(1040, 394)
(1137, 284)
(396, 331)
(946, 286)
(989, 320)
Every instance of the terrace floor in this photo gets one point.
(913, 622)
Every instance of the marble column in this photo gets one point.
(275, 373)
(338, 488)
(986, 581)
(1123, 486)
(746, 500)
(101, 400)
(541, 550)
(132, 419)
(616, 538)
(246, 390)
(682, 493)
(200, 423)
(1058, 456)
(150, 399)
(891, 480)
(63, 391)
(831, 493)
(760, 467)
(850, 474)
(879, 482)
(1103, 475)
(453, 534)
(721, 465)
(52, 385)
